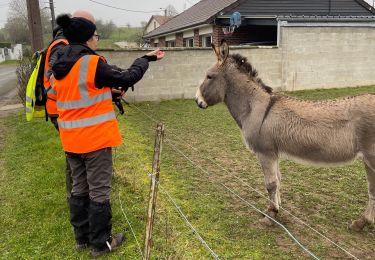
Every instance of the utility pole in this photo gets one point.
(35, 24)
(51, 6)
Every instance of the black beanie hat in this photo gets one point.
(76, 29)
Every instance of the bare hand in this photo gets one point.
(158, 53)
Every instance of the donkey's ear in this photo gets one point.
(216, 50)
(224, 51)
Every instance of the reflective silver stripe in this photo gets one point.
(28, 99)
(84, 103)
(51, 91)
(87, 121)
(51, 80)
(85, 100)
(29, 110)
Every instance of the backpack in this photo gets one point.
(36, 93)
(36, 96)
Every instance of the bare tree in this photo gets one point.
(143, 24)
(16, 27)
(170, 10)
(105, 29)
(18, 9)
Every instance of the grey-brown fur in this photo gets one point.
(273, 126)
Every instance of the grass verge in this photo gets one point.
(34, 213)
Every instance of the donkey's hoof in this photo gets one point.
(266, 222)
(358, 225)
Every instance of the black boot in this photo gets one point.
(100, 218)
(114, 243)
(79, 218)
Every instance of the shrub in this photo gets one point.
(5, 45)
(23, 71)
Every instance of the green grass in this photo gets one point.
(9, 62)
(107, 44)
(34, 213)
(119, 35)
(319, 94)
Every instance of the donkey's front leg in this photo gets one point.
(368, 216)
(272, 179)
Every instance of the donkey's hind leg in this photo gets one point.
(368, 216)
(270, 167)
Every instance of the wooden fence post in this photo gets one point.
(153, 191)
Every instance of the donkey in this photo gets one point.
(327, 133)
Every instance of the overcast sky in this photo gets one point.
(118, 16)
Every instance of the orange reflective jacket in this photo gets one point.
(51, 98)
(87, 121)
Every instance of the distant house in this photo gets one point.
(261, 21)
(156, 21)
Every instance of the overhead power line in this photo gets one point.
(127, 10)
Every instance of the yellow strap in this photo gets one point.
(30, 91)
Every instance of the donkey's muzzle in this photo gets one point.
(201, 103)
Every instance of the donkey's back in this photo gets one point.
(323, 132)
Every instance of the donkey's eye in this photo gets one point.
(209, 77)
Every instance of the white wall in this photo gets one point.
(14, 53)
(2, 55)
(307, 58)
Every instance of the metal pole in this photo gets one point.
(52, 7)
(35, 24)
(153, 191)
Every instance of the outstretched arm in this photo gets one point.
(112, 76)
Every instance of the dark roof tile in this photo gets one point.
(195, 15)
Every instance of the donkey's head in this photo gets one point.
(212, 90)
(228, 72)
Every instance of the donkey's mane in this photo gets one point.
(245, 67)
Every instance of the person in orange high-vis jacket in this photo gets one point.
(83, 83)
(58, 42)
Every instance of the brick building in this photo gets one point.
(261, 21)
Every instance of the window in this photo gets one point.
(206, 40)
(154, 25)
(189, 42)
(253, 32)
(171, 43)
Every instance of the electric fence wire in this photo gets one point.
(122, 209)
(258, 192)
(246, 202)
(173, 202)
(130, 225)
(195, 232)
(123, 9)
(231, 191)
(265, 197)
